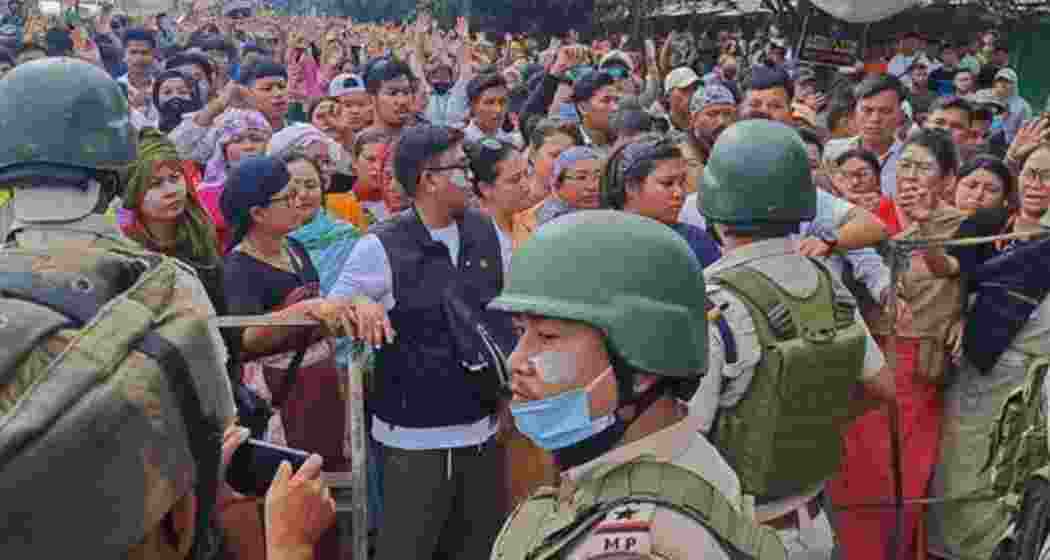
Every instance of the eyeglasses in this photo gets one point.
(857, 176)
(583, 177)
(293, 194)
(910, 167)
(461, 166)
(253, 137)
(1041, 175)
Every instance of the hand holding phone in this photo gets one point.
(255, 463)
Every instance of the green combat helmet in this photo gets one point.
(632, 277)
(62, 117)
(758, 174)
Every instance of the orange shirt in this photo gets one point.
(346, 207)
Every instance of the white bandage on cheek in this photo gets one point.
(555, 367)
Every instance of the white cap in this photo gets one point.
(1007, 74)
(681, 77)
(344, 84)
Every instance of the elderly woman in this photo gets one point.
(268, 272)
(649, 177)
(932, 290)
(574, 184)
(244, 133)
(547, 140)
(1005, 330)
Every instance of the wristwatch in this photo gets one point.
(830, 237)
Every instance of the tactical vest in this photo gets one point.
(784, 436)
(544, 528)
(1019, 440)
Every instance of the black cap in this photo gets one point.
(417, 145)
(184, 58)
(588, 84)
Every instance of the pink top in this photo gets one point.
(303, 77)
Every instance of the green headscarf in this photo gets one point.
(195, 241)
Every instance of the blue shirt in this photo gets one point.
(703, 246)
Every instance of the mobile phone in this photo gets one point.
(255, 463)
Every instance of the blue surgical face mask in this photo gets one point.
(560, 421)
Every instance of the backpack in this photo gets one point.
(112, 401)
(1019, 440)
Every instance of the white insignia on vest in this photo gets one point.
(624, 530)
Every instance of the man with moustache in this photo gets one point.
(424, 277)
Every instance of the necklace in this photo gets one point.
(282, 261)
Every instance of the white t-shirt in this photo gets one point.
(506, 247)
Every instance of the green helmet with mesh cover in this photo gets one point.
(633, 278)
(758, 175)
(63, 117)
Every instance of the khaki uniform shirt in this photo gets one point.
(649, 530)
(726, 384)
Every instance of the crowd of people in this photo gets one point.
(394, 174)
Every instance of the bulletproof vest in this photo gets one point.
(544, 528)
(435, 373)
(784, 435)
(1019, 439)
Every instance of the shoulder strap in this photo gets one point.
(788, 317)
(676, 488)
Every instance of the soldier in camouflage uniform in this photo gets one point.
(113, 391)
(612, 312)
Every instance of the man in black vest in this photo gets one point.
(421, 281)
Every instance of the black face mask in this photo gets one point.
(172, 110)
(441, 88)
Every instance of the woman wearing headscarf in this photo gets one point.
(574, 184)
(164, 215)
(243, 133)
(269, 272)
(548, 138)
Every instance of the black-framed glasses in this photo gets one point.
(465, 166)
(293, 194)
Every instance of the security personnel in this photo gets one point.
(67, 136)
(613, 333)
(790, 349)
(99, 458)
